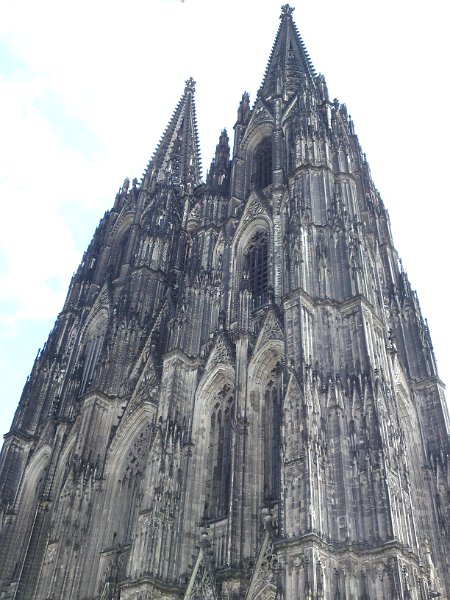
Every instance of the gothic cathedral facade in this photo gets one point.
(239, 399)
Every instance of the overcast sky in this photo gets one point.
(87, 88)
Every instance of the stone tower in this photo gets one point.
(239, 398)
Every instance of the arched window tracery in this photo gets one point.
(263, 164)
(120, 254)
(219, 456)
(256, 267)
(94, 345)
(271, 423)
(131, 481)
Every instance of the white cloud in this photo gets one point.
(39, 174)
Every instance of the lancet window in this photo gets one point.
(95, 339)
(120, 254)
(263, 164)
(130, 483)
(271, 420)
(219, 456)
(256, 267)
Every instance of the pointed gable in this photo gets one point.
(221, 353)
(271, 330)
(103, 299)
(101, 308)
(202, 584)
(177, 159)
(263, 584)
(256, 206)
(294, 393)
(260, 114)
(289, 64)
(147, 387)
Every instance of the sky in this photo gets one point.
(87, 88)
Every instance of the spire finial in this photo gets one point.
(189, 85)
(286, 11)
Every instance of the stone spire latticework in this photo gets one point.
(289, 67)
(177, 157)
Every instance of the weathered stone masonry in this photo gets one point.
(239, 398)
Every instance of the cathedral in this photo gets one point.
(239, 398)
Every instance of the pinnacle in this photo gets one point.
(286, 11)
(289, 67)
(177, 158)
(189, 85)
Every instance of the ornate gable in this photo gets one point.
(102, 300)
(147, 388)
(147, 355)
(263, 585)
(271, 330)
(221, 353)
(203, 585)
(260, 114)
(294, 394)
(256, 207)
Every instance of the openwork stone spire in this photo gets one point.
(289, 66)
(177, 158)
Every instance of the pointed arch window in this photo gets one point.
(119, 255)
(130, 486)
(219, 457)
(94, 345)
(271, 420)
(263, 164)
(256, 259)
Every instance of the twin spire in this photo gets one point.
(177, 158)
(289, 66)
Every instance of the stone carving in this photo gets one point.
(241, 348)
(270, 330)
(203, 585)
(221, 353)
